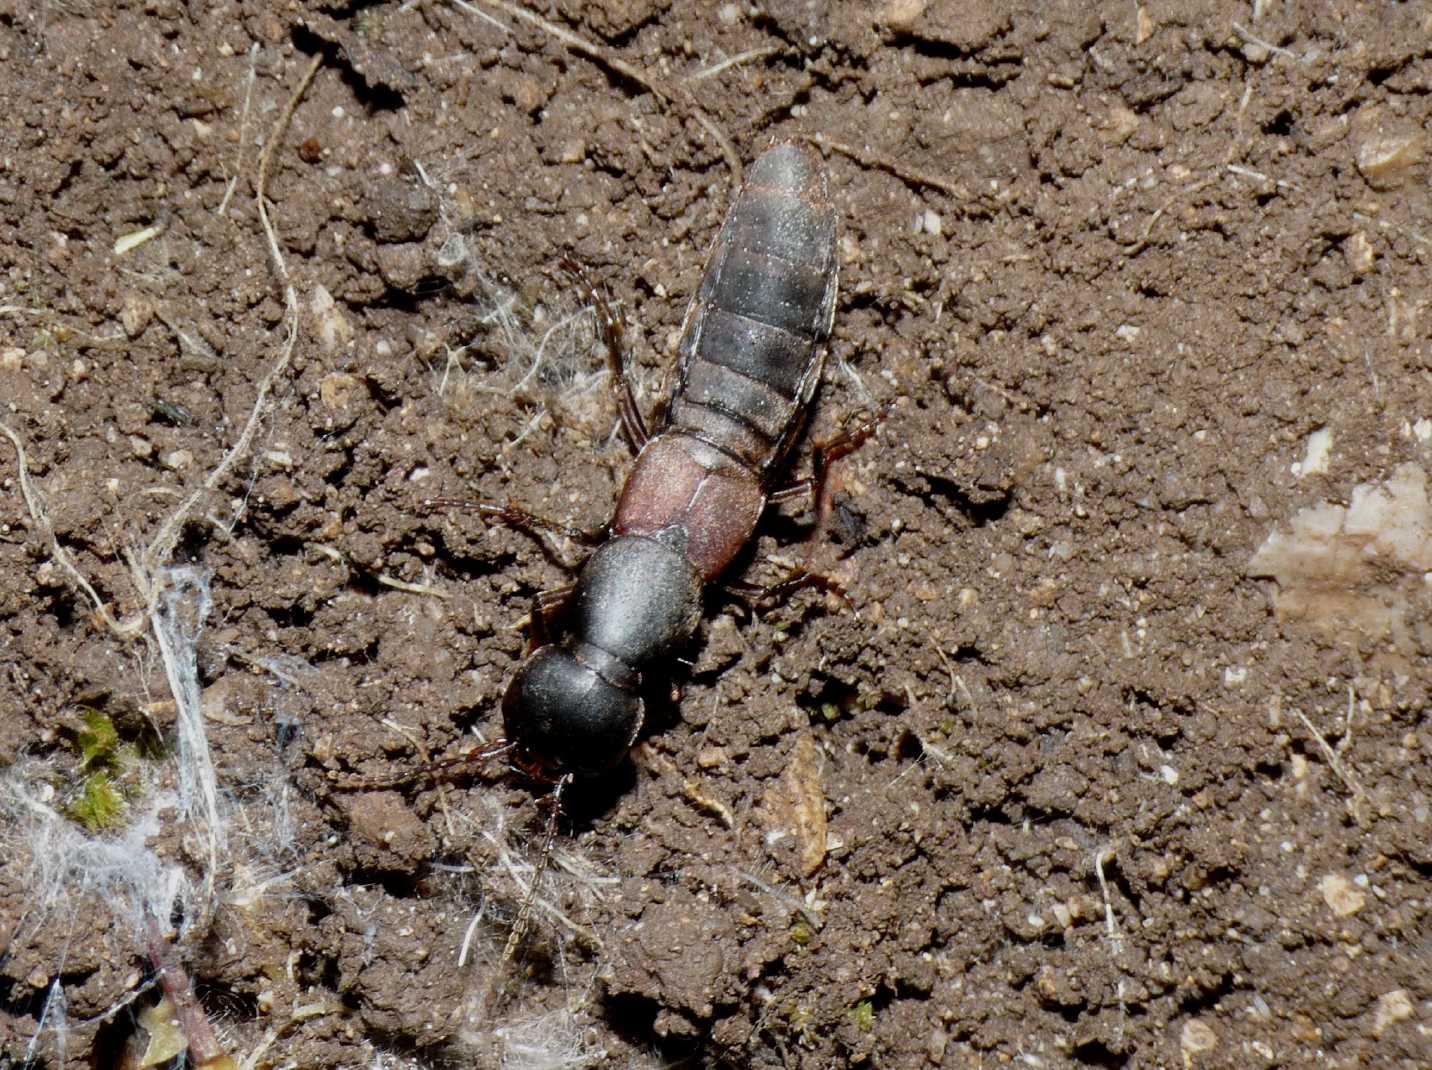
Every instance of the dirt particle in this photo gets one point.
(401, 266)
(935, 1046)
(1057, 790)
(901, 15)
(1144, 25)
(1392, 1007)
(1342, 896)
(1195, 106)
(230, 700)
(177, 460)
(400, 211)
(135, 314)
(573, 150)
(334, 329)
(386, 834)
(1359, 253)
(1055, 988)
(1388, 151)
(1117, 126)
(1196, 1037)
(338, 389)
(804, 22)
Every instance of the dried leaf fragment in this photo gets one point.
(794, 807)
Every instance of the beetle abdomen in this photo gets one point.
(753, 340)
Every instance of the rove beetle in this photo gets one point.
(752, 349)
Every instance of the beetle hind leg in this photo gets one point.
(821, 486)
(611, 325)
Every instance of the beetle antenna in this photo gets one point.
(523, 922)
(443, 769)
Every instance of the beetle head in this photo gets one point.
(566, 717)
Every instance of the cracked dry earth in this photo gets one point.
(1117, 754)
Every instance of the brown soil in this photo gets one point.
(1087, 798)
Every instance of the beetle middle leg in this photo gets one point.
(824, 454)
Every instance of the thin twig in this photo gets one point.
(261, 182)
(905, 174)
(1111, 927)
(411, 588)
(1259, 176)
(1357, 805)
(950, 698)
(615, 63)
(734, 61)
(1275, 49)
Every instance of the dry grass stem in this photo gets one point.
(243, 128)
(1357, 804)
(412, 588)
(1111, 927)
(35, 503)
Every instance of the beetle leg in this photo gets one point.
(612, 326)
(796, 579)
(820, 486)
(524, 521)
(824, 454)
(436, 771)
(544, 605)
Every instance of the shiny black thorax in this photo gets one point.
(576, 707)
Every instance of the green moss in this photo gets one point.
(100, 805)
(111, 772)
(98, 740)
(801, 1021)
(801, 934)
(862, 1015)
